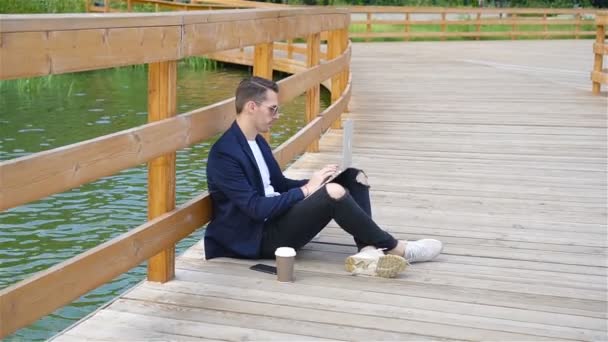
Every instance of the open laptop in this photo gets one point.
(347, 148)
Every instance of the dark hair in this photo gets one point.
(253, 89)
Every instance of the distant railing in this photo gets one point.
(599, 75)
(433, 22)
(55, 44)
(477, 23)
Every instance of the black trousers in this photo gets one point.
(300, 224)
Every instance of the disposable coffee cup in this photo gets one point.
(285, 260)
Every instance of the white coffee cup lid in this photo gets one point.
(285, 252)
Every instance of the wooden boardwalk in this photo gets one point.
(496, 148)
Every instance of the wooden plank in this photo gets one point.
(78, 21)
(78, 50)
(333, 234)
(344, 317)
(231, 319)
(354, 304)
(449, 266)
(162, 104)
(213, 282)
(69, 44)
(547, 256)
(402, 286)
(150, 324)
(114, 326)
(203, 38)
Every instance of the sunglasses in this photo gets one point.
(273, 109)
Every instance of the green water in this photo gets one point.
(44, 113)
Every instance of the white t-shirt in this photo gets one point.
(259, 159)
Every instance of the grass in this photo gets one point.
(42, 6)
(386, 28)
(200, 63)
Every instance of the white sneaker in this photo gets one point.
(373, 262)
(422, 250)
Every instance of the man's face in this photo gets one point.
(266, 112)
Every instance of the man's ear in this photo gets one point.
(250, 106)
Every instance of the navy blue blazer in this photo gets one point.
(240, 207)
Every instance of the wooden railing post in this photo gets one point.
(545, 25)
(262, 66)
(289, 48)
(443, 25)
(578, 25)
(407, 26)
(513, 25)
(368, 26)
(334, 49)
(313, 95)
(478, 24)
(162, 104)
(129, 6)
(599, 49)
(106, 6)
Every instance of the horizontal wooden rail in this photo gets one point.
(512, 23)
(461, 34)
(430, 10)
(55, 44)
(38, 175)
(295, 49)
(519, 21)
(599, 75)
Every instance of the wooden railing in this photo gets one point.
(433, 22)
(599, 75)
(68, 43)
(442, 23)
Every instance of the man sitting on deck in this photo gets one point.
(256, 209)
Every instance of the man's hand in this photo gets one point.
(318, 178)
